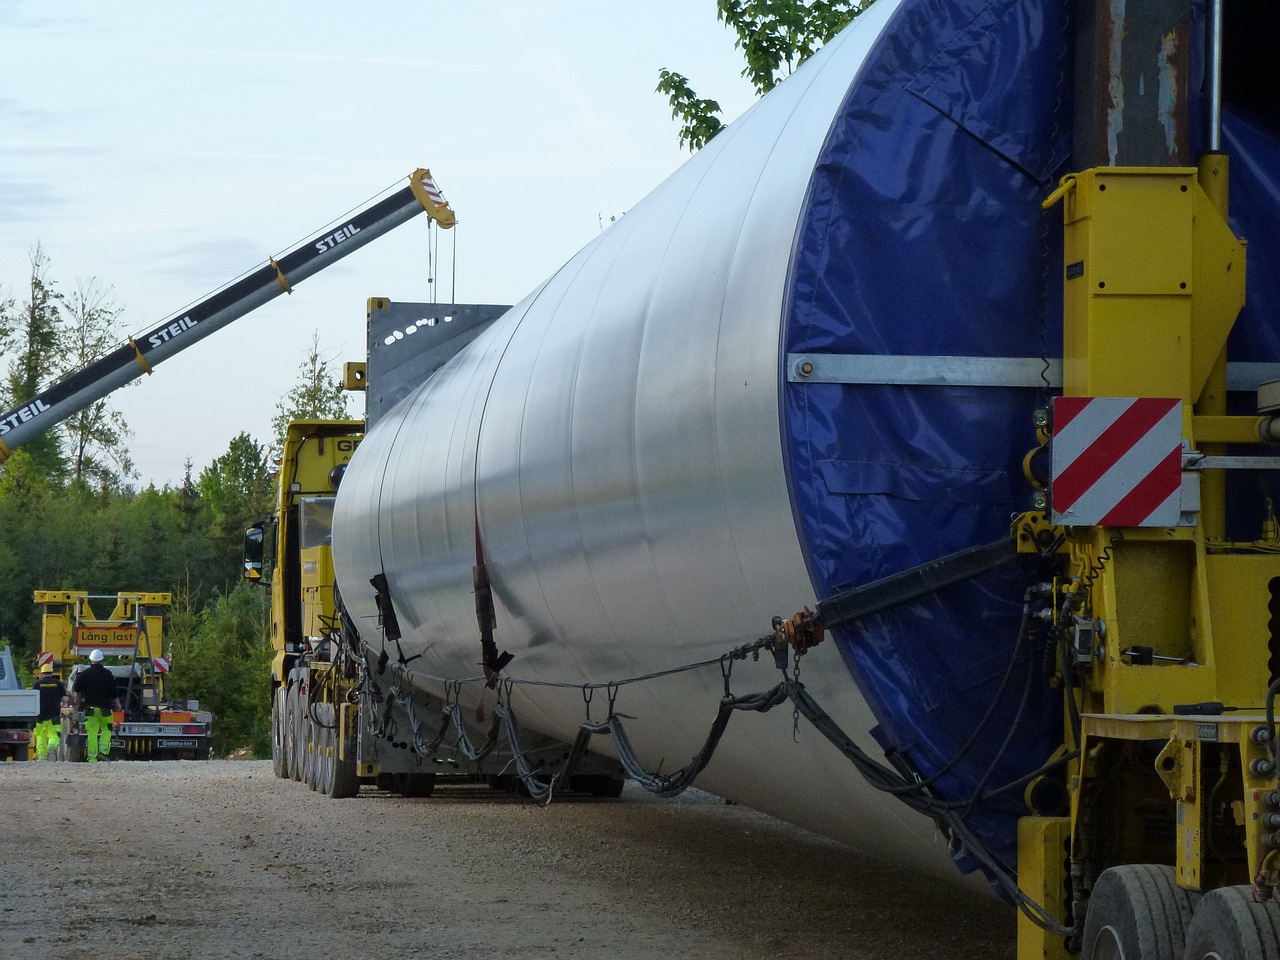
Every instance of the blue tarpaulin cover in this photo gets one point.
(924, 235)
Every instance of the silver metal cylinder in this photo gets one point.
(611, 448)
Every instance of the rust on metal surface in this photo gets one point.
(1132, 92)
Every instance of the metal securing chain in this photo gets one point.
(950, 815)
(799, 633)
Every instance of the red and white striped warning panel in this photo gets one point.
(433, 191)
(161, 664)
(1117, 461)
(45, 657)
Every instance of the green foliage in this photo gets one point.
(318, 394)
(33, 336)
(49, 336)
(698, 120)
(222, 658)
(97, 435)
(775, 37)
(7, 316)
(237, 489)
(85, 528)
(60, 534)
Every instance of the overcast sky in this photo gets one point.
(165, 149)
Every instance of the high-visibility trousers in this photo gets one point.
(97, 727)
(48, 736)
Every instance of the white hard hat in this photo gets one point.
(95, 657)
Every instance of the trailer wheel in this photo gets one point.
(599, 785)
(416, 784)
(1228, 925)
(292, 758)
(301, 736)
(279, 759)
(1137, 912)
(328, 741)
(344, 781)
(310, 750)
(325, 747)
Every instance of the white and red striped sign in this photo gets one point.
(1117, 461)
(161, 664)
(45, 657)
(433, 191)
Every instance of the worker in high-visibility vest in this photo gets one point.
(96, 688)
(49, 722)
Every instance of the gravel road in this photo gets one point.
(220, 859)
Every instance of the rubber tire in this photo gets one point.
(600, 785)
(316, 758)
(301, 738)
(279, 759)
(1137, 912)
(327, 747)
(504, 782)
(345, 781)
(609, 787)
(306, 749)
(416, 784)
(311, 765)
(293, 760)
(1228, 925)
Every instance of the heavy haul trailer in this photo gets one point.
(131, 637)
(343, 714)
(847, 361)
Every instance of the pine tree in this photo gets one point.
(238, 488)
(36, 340)
(318, 395)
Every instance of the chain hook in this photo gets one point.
(726, 673)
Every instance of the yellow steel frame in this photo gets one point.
(1043, 851)
(312, 449)
(64, 610)
(1193, 779)
(1154, 280)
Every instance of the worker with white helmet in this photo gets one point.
(49, 720)
(96, 689)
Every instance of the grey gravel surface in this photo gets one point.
(152, 861)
